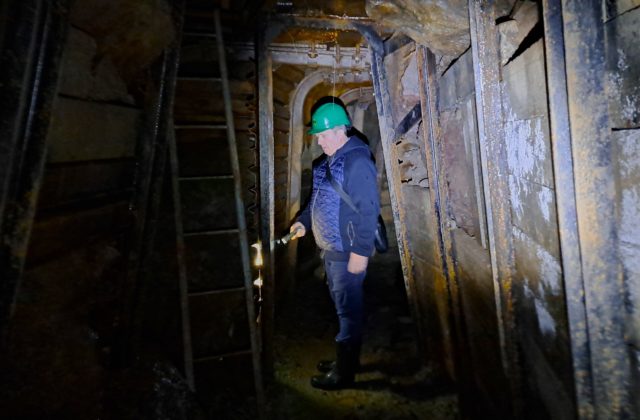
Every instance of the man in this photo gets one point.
(345, 236)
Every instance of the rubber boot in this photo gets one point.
(343, 375)
(325, 366)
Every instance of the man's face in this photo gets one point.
(330, 141)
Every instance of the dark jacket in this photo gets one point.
(336, 227)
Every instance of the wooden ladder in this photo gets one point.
(217, 296)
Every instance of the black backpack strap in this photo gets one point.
(336, 186)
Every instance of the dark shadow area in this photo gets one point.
(392, 383)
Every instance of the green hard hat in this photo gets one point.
(328, 116)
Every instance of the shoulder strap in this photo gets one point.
(336, 186)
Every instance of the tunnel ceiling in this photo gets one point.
(442, 25)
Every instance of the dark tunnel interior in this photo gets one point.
(155, 154)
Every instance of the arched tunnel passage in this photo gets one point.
(151, 154)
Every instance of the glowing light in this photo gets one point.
(258, 282)
(312, 50)
(258, 260)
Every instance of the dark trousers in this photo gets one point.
(347, 295)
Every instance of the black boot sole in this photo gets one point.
(331, 383)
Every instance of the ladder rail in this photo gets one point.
(240, 209)
(180, 255)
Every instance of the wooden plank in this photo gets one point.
(69, 183)
(77, 228)
(438, 194)
(84, 130)
(386, 124)
(267, 192)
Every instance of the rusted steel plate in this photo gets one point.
(584, 41)
(486, 59)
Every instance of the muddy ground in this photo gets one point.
(393, 384)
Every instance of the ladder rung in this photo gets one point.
(211, 232)
(200, 78)
(216, 292)
(222, 356)
(206, 177)
(201, 34)
(200, 126)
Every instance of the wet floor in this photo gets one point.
(392, 384)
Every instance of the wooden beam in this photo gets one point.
(387, 124)
(267, 191)
(493, 154)
(152, 149)
(431, 132)
(29, 69)
(327, 23)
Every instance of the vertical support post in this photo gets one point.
(34, 37)
(240, 216)
(267, 194)
(595, 197)
(152, 152)
(438, 194)
(567, 213)
(386, 124)
(493, 155)
(183, 283)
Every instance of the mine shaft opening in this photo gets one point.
(393, 356)
(153, 152)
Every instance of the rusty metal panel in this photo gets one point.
(438, 195)
(481, 339)
(486, 59)
(460, 176)
(566, 206)
(595, 198)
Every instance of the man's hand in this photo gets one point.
(301, 230)
(357, 263)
